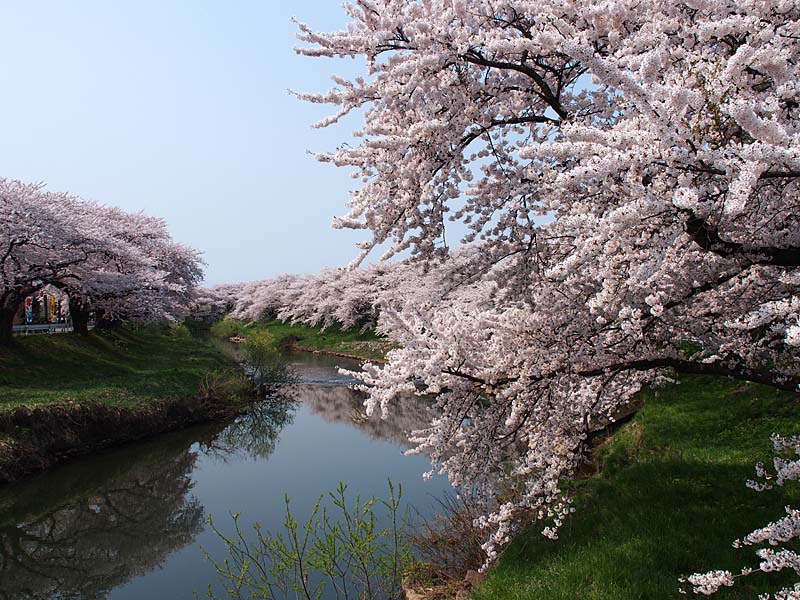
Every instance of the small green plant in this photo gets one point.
(263, 359)
(227, 328)
(180, 330)
(227, 384)
(339, 551)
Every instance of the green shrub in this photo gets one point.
(180, 330)
(227, 328)
(339, 549)
(227, 384)
(263, 359)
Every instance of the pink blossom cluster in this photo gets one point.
(215, 302)
(351, 297)
(331, 296)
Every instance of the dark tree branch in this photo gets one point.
(780, 381)
(770, 378)
(475, 57)
(708, 238)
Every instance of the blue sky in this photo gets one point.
(181, 109)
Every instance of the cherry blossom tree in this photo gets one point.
(213, 303)
(347, 297)
(629, 174)
(353, 297)
(42, 241)
(143, 275)
(120, 264)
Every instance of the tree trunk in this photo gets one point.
(80, 315)
(106, 322)
(6, 324)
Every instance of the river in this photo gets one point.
(131, 523)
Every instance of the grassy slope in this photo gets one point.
(120, 367)
(366, 344)
(669, 499)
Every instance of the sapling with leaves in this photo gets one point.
(344, 549)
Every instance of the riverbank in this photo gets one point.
(36, 438)
(67, 395)
(123, 367)
(143, 507)
(347, 343)
(665, 497)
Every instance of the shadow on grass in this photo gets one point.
(668, 501)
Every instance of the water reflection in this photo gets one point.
(255, 434)
(112, 525)
(92, 526)
(81, 538)
(322, 369)
(343, 405)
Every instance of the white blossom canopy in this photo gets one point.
(629, 172)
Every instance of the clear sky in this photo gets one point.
(180, 108)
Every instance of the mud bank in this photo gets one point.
(297, 348)
(33, 439)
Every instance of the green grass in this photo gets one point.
(668, 500)
(366, 344)
(122, 367)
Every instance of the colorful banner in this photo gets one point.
(42, 316)
(28, 310)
